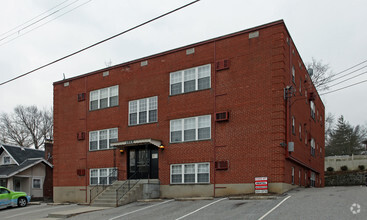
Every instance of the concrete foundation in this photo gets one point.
(72, 194)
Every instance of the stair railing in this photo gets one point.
(125, 187)
(99, 188)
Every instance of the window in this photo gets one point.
(313, 179)
(306, 137)
(36, 183)
(190, 173)
(103, 98)
(293, 125)
(312, 143)
(292, 175)
(293, 75)
(6, 160)
(190, 129)
(143, 111)
(188, 80)
(300, 131)
(300, 85)
(312, 106)
(99, 140)
(103, 176)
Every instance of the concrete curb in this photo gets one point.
(194, 199)
(150, 200)
(252, 197)
(34, 203)
(73, 212)
(56, 203)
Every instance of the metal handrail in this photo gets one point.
(99, 188)
(126, 186)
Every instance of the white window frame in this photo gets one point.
(196, 172)
(182, 78)
(109, 169)
(98, 138)
(149, 100)
(300, 131)
(182, 122)
(98, 91)
(293, 75)
(312, 147)
(9, 160)
(312, 107)
(292, 175)
(293, 125)
(36, 178)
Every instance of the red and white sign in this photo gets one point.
(261, 184)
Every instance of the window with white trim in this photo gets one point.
(143, 111)
(36, 183)
(190, 173)
(6, 160)
(103, 98)
(292, 175)
(100, 140)
(312, 143)
(313, 179)
(293, 75)
(188, 80)
(293, 125)
(190, 129)
(312, 106)
(300, 131)
(102, 176)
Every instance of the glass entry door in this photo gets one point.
(143, 162)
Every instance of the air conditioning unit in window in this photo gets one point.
(80, 136)
(81, 97)
(222, 65)
(221, 165)
(80, 172)
(221, 116)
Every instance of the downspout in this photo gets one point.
(86, 142)
(214, 111)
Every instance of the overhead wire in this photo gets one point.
(344, 87)
(35, 22)
(33, 18)
(100, 42)
(46, 22)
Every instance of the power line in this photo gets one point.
(348, 79)
(95, 44)
(33, 18)
(46, 22)
(332, 80)
(349, 68)
(344, 87)
(35, 22)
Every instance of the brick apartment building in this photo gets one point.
(205, 119)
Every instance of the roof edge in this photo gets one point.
(277, 22)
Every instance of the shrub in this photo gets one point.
(361, 167)
(344, 168)
(330, 169)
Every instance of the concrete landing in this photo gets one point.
(69, 213)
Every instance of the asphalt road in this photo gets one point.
(311, 203)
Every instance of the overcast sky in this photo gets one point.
(331, 30)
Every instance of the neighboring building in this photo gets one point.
(226, 110)
(23, 169)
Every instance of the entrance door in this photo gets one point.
(16, 184)
(143, 162)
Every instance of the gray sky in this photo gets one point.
(331, 30)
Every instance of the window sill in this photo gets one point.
(143, 124)
(102, 149)
(103, 108)
(184, 93)
(189, 141)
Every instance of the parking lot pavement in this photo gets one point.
(32, 212)
(324, 203)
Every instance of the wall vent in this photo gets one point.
(221, 165)
(222, 65)
(253, 34)
(190, 51)
(221, 116)
(80, 172)
(80, 136)
(144, 63)
(81, 97)
(106, 73)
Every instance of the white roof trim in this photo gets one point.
(10, 155)
(38, 160)
(137, 142)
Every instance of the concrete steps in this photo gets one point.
(108, 197)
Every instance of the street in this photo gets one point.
(309, 203)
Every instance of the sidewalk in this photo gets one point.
(73, 212)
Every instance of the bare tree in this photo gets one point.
(322, 74)
(27, 126)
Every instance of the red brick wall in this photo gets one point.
(251, 90)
